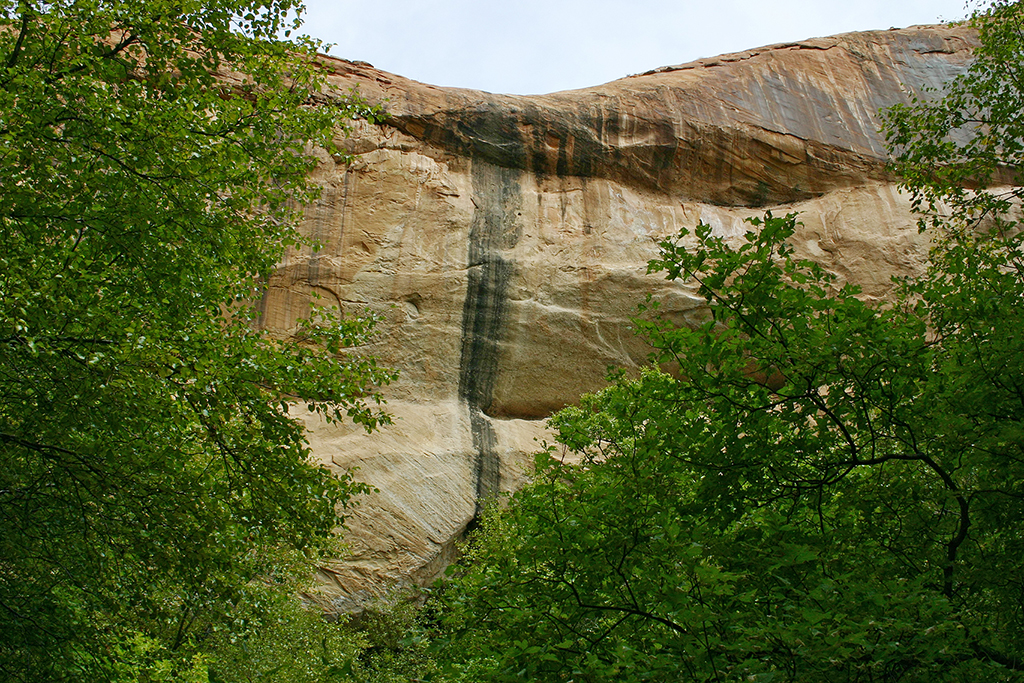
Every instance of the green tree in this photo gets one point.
(803, 487)
(153, 153)
(972, 138)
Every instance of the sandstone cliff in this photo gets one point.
(504, 242)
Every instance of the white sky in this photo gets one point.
(540, 46)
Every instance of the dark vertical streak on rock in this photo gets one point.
(313, 264)
(344, 210)
(317, 232)
(487, 462)
(496, 227)
(538, 153)
(261, 307)
(562, 165)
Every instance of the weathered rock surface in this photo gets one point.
(504, 242)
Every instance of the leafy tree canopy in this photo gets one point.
(803, 487)
(153, 154)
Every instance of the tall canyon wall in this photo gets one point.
(503, 240)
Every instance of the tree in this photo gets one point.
(972, 138)
(803, 487)
(153, 154)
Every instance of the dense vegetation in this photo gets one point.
(802, 487)
(158, 507)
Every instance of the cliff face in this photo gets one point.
(504, 242)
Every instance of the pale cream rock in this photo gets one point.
(504, 240)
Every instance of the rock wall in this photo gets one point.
(504, 240)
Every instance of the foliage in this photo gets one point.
(276, 638)
(396, 642)
(154, 153)
(971, 138)
(803, 487)
(793, 503)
